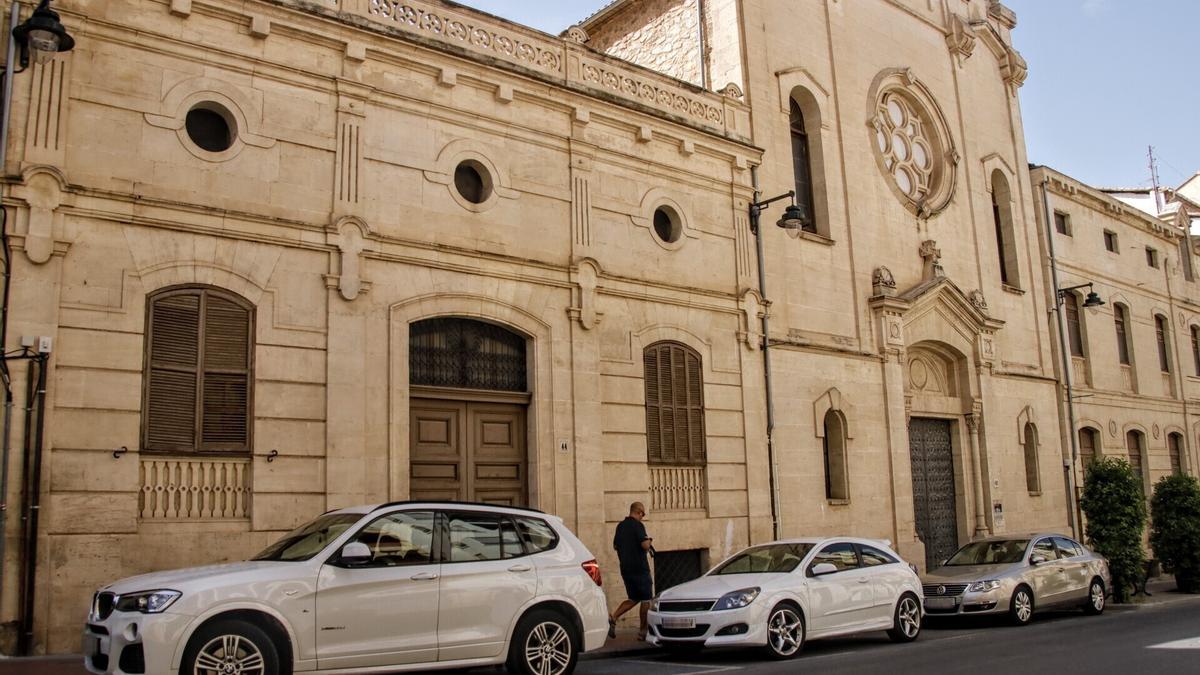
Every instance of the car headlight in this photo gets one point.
(736, 599)
(983, 586)
(146, 602)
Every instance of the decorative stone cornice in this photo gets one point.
(961, 39)
(1014, 70)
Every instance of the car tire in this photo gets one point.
(1020, 608)
(543, 635)
(785, 631)
(230, 642)
(1096, 599)
(906, 620)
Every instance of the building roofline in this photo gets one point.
(602, 14)
(1116, 205)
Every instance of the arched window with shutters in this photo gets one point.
(1033, 478)
(198, 375)
(1074, 327)
(1135, 446)
(802, 166)
(1121, 320)
(1175, 450)
(1088, 442)
(837, 479)
(1161, 331)
(674, 405)
(1002, 217)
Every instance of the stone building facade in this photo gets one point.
(913, 362)
(298, 256)
(294, 256)
(1135, 361)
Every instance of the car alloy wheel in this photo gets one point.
(907, 624)
(548, 649)
(1096, 597)
(229, 655)
(785, 632)
(1022, 606)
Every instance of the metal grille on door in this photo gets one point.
(672, 568)
(933, 488)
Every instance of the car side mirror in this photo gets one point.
(821, 569)
(1037, 559)
(355, 553)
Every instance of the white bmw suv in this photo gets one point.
(397, 587)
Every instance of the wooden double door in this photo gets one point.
(468, 451)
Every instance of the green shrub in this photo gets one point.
(1175, 529)
(1115, 507)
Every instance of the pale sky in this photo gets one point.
(1107, 79)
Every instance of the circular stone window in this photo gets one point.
(473, 182)
(912, 143)
(666, 224)
(210, 127)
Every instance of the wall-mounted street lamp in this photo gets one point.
(42, 35)
(1092, 300)
(795, 217)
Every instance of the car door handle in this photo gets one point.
(424, 576)
(864, 581)
(520, 568)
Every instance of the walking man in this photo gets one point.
(632, 544)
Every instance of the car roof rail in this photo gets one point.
(450, 502)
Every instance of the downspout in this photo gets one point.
(34, 498)
(703, 47)
(1067, 371)
(772, 464)
(4, 373)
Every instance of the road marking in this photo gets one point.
(1187, 643)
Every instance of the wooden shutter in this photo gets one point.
(674, 405)
(226, 396)
(198, 372)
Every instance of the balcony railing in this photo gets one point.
(1080, 372)
(678, 488)
(194, 489)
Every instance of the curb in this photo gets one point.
(602, 654)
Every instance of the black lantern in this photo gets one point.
(1092, 300)
(795, 217)
(42, 34)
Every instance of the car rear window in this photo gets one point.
(872, 556)
(537, 533)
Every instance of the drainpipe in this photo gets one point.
(4, 373)
(772, 463)
(1068, 371)
(703, 47)
(33, 500)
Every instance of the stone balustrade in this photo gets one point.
(678, 488)
(194, 489)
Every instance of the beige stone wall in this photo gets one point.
(1112, 399)
(663, 35)
(335, 216)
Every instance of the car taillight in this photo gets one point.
(593, 570)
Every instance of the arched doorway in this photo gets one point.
(934, 386)
(468, 387)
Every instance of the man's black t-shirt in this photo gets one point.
(628, 543)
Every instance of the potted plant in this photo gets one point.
(1115, 507)
(1175, 529)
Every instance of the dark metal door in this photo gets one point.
(933, 488)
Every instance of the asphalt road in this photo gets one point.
(1122, 640)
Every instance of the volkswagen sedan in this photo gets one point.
(1018, 576)
(778, 596)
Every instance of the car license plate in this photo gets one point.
(941, 603)
(678, 622)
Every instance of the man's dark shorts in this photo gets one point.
(638, 586)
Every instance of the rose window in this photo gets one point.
(903, 143)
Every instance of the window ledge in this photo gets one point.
(811, 236)
(838, 502)
(1012, 289)
(1035, 493)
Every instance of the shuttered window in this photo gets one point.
(198, 372)
(1074, 330)
(674, 405)
(1160, 335)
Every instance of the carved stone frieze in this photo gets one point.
(882, 282)
(578, 34)
(651, 93)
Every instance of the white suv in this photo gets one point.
(403, 586)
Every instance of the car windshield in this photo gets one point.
(310, 539)
(768, 558)
(1002, 552)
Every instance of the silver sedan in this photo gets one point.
(1018, 576)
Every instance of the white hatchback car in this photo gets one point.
(779, 595)
(397, 587)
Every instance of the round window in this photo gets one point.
(666, 224)
(472, 182)
(210, 127)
